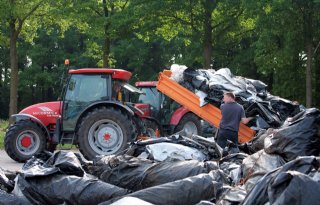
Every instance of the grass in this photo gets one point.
(3, 127)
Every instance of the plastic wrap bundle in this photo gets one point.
(5, 183)
(287, 185)
(299, 136)
(187, 191)
(174, 147)
(257, 165)
(252, 94)
(56, 181)
(177, 72)
(135, 174)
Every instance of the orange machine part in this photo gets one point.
(191, 101)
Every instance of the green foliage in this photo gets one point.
(263, 40)
(3, 126)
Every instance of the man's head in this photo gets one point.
(229, 97)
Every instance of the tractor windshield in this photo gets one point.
(86, 88)
(150, 96)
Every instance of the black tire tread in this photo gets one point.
(9, 139)
(100, 110)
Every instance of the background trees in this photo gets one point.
(274, 41)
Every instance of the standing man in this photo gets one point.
(232, 114)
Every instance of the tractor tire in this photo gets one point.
(23, 140)
(190, 123)
(51, 147)
(104, 131)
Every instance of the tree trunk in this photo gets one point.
(309, 51)
(107, 41)
(106, 49)
(207, 40)
(316, 99)
(309, 76)
(14, 69)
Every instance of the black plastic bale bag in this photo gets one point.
(123, 170)
(257, 165)
(45, 183)
(5, 183)
(187, 191)
(231, 165)
(284, 107)
(59, 189)
(214, 150)
(257, 143)
(10, 199)
(219, 176)
(190, 73)
(11, 175)
(299, 136)
(260, 193)
(294, 188)
(232, 195)
(67, 162)
(165, 172)
(38, 159)
(140, 146)
(135, 174)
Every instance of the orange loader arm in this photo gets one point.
(191, 101)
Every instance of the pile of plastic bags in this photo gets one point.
(269, 110)
(190, 171)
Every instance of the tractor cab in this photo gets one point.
(87, 87)
(150, 99)
(156, 105)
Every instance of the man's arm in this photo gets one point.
(246, 120)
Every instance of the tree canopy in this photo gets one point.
(273, 41)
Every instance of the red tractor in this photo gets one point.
(163, 113)
(92, 115)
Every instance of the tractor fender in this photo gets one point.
(105, 103)
(136, 110)
(21, 116)
(151, 119)
(177, 115)
(141, 115)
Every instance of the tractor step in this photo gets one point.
(66, 140)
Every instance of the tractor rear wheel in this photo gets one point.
(24, 139)
(190, 123)
(104, 131)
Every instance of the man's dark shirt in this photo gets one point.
(231, 116)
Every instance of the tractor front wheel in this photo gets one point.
(104, 131)
(24, 139)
